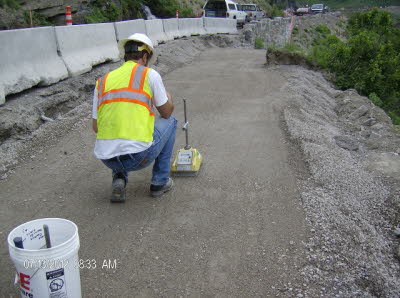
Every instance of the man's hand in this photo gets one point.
(166, 109)
(94, 125)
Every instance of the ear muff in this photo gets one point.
(146, 48)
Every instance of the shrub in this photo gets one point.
(340, 24)
(369, 61)
(131, 9)
(96, 16)
(323, 29)
(322, 53)
(103, 11)
(395, 117)
(275, 11)
(9, 3)
(186, 12)
(292, 48)
(259, 43)
(167, 8)
(375, 99)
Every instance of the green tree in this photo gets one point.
(369, 61)
(168, 8)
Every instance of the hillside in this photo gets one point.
(32, 13)
(351, 4)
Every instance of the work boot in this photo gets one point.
(158, 190)
(118, 190)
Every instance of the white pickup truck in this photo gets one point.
(224, 9)
(253, 11)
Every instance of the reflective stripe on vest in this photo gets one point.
(134, 94)
(125, 109)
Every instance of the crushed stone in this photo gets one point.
(351, 207)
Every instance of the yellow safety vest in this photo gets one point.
(124, 109)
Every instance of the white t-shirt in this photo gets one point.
(105, 149)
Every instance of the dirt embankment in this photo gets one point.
(352, 196)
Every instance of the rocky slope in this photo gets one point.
(351, 195)
(23, 13)
(44, 12)
(304, 28)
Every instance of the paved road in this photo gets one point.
(235, 230)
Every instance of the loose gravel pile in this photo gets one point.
(351, 206)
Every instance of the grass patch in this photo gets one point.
(259, 43)
(10, 4)
(289, 48)
(292, 48)
(322, 29)
(395, 117)
(103, 11)
(167, 8)
(37, 19)
(375, 99)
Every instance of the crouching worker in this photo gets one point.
(129, 134)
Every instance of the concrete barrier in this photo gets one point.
(220, 25)
(83, 46)
(28, 57)
(191, 26)
(171, 29)
(126, 28)
(155, 31)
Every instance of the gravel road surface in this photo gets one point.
(236, 230)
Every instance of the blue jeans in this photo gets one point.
(160, 152)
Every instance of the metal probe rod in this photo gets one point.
(186, 126)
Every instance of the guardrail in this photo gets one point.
(46, 55)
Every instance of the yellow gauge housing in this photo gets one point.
(187, 162)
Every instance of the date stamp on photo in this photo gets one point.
(90, 264)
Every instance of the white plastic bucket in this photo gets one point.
(47, 272)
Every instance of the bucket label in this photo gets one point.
(56, 283)
(24, 281)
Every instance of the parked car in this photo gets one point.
(224, 9)
(242, 13)
(301, 11)
(253, 11)
(317, 8)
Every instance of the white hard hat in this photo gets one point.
(140, 37)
